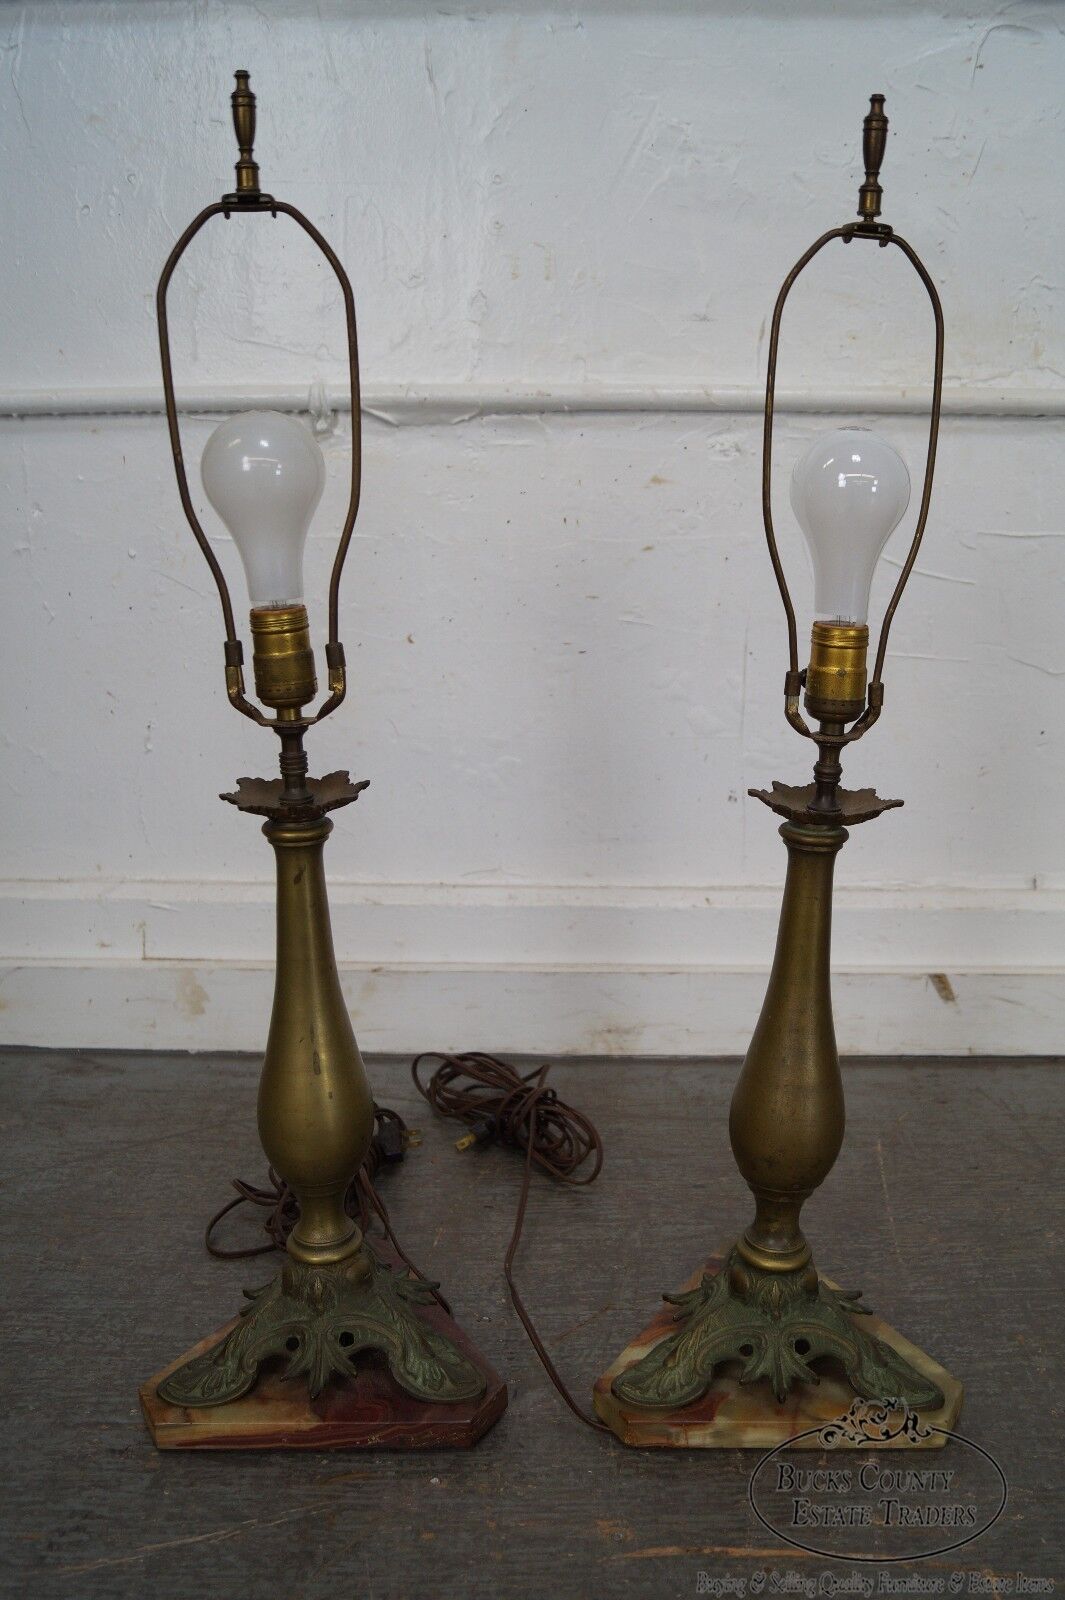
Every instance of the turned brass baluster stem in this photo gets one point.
(333, 1298)
(787, 1117)
(315, 1103)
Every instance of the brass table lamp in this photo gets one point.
(759, 1346)
(298, 1351)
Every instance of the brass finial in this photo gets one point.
(874, 142)
(244, 127)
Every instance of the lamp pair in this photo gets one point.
(757, 1326)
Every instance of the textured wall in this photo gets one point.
(565, 647)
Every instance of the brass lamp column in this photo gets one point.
(722, 1366)
(333, 1299)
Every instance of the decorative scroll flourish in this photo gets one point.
(874, 1422)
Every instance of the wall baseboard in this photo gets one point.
(566, 970)
(185, 1005)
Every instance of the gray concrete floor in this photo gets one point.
(945, 1207)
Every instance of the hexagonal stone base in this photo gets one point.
(368, 1411)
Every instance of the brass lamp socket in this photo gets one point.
(836, 676)
(282, 656)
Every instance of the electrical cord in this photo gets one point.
(499, 1104)
(391, 1140)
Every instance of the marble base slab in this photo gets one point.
(368, 1411)
(733, 1416)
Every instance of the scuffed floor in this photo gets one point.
(944, 1207)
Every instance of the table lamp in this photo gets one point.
(758, 1346)
(340, 1348)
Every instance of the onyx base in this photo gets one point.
(731, 1415)
(366, 1411)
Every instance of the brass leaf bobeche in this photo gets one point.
(264, 797)
(796, 803)
(332, 1299)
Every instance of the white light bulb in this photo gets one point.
(264, 473)
(849, 491)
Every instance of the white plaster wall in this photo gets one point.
(565, 227)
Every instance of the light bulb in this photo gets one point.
(849, 492)
(264, 473)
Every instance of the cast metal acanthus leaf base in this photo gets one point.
(320, 1318)
(776, 1324)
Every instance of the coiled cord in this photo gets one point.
(362, 1202)
(498, 1103)
(495, 1103)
